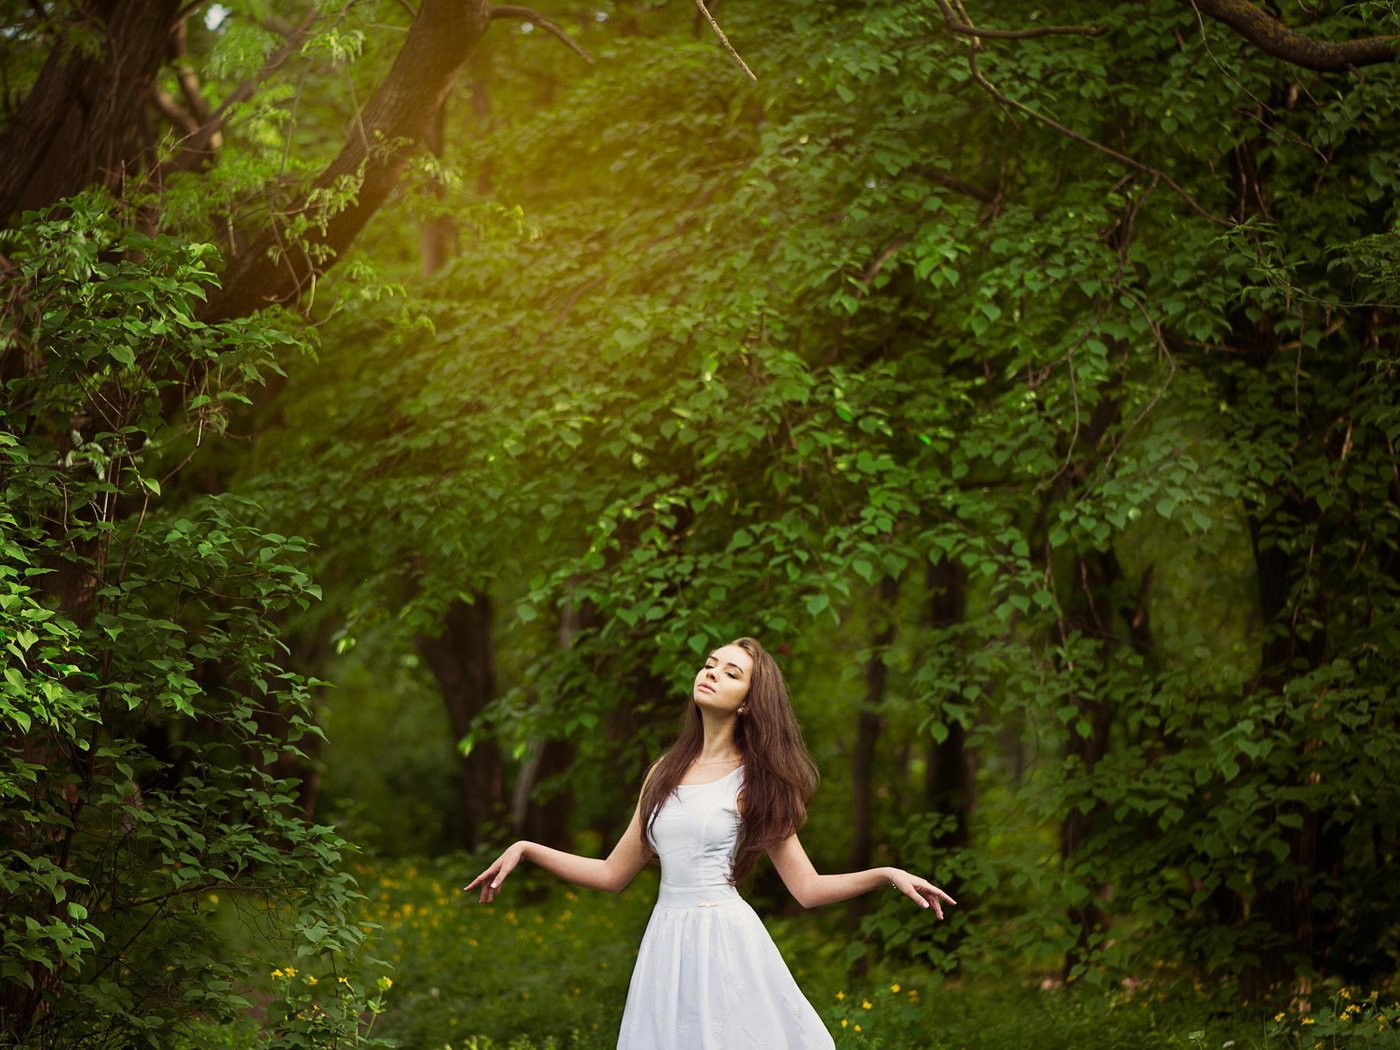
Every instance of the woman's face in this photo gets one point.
(723, 682)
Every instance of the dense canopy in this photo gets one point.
(1023, 375)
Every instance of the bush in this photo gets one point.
(147, 731)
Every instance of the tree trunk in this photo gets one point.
(948, 786)
(547, 820)
(84, 120)
(462, 660)
(1091, 610)
(868, 723)
(1287, 907)
(437, 237)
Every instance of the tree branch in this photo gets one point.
(1020, 34)
(395, 124)
(872, 271)
(526, 14)
(170, 109)
(724, 39)
(967, 189)
(185, 74)
(205, 140)
(1274, 38)
(1068, 132)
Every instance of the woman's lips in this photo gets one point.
(706, 686)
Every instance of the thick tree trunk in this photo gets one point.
(462, 659)
(84, 120)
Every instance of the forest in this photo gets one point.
(400, 398)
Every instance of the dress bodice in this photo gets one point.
(696, 834)
(708, 976)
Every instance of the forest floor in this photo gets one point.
(546, 968)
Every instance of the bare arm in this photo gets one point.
(612, 875)
(812, 890)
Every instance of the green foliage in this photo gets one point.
(756, 348)
(144, 704)
(718, 358)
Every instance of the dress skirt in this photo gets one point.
(709, 977)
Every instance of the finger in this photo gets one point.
(484, 875)
(944, 895)
(916, 898)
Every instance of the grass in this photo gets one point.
(547, 966)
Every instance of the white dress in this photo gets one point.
(708, 976)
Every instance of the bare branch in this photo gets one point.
(724, 39)
(526, 14)
(1274, 38)
(1019, 34)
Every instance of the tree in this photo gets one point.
(147, 703)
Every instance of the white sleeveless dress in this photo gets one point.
(708, 976)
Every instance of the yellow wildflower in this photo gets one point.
(840, 995)
(1309, 1020)
(1280, 1016)
(894, 988)
(844, 1022)
(866, 1004)
(310, 979)
(290, 971)
(344, 980)
(385, 983)
(857, 1027)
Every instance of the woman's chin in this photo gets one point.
(706, 703)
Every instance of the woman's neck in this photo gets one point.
(719, 738)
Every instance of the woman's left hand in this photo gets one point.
(921, 890)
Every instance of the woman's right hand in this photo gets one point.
(492, 877)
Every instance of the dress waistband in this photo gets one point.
(714, 896)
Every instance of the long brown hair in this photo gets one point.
(779, 775)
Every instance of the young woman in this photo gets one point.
(736, 784)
